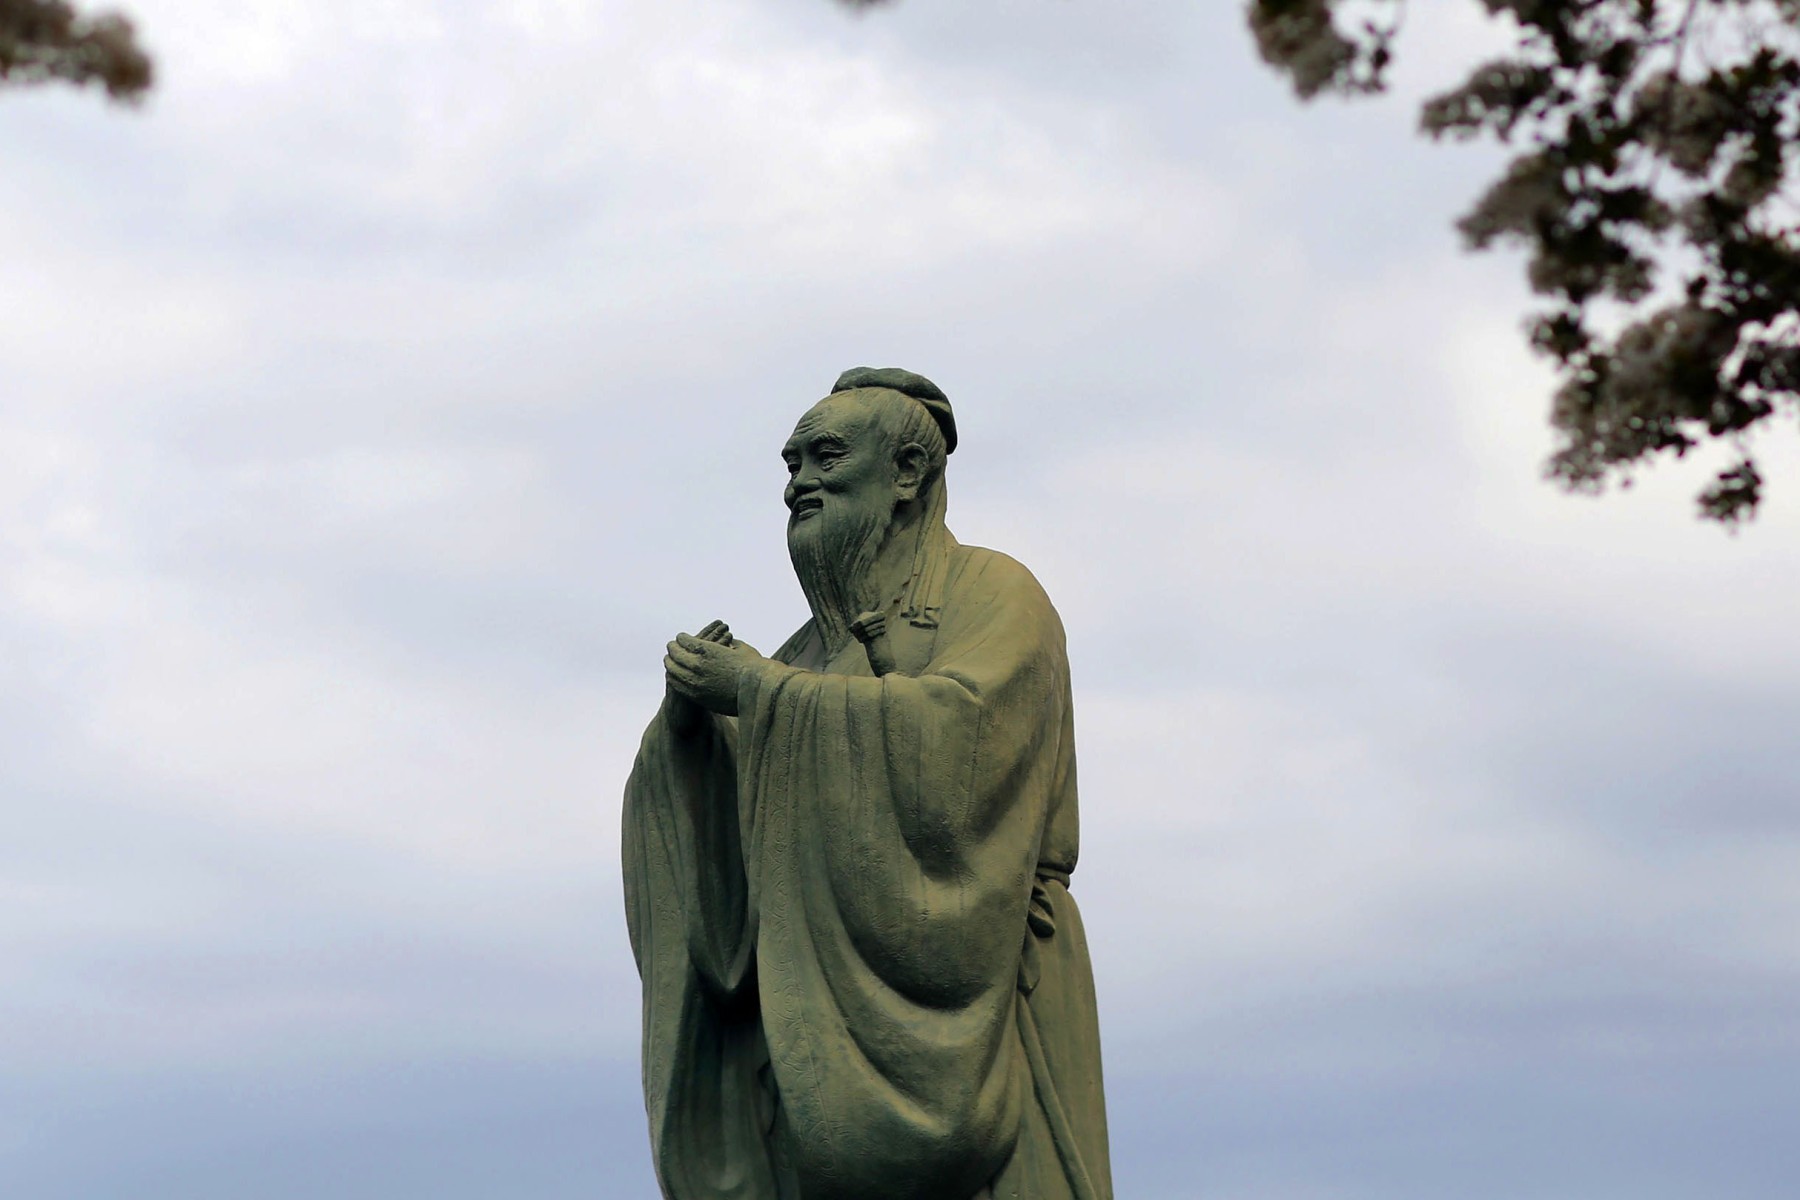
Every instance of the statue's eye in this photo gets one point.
(793, 466)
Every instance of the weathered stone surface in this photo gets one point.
(847, 864)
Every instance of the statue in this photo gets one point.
(847, 865)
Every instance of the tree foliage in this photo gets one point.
(45, 40)
(1654, 192)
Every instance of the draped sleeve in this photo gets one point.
(693, 934)
(892, 828)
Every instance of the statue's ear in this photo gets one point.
(909, 471)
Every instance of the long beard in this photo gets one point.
(834, 553)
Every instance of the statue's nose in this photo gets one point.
(798, 488)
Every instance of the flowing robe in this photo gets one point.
(864, 977)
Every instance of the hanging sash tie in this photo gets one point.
(1040, 925)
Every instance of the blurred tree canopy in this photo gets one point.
(44, 40)
(1653, 189)
(1652, 185)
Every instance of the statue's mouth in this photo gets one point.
(806, 506)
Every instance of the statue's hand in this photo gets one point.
(868, 627)
(707, 673)
(871, 630)
(683, 716)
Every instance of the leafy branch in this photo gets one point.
(1654, 195)
(47, 40)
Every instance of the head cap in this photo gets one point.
(917, 386)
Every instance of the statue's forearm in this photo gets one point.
(682, 717)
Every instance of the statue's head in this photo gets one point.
(863, 463)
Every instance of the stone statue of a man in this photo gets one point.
(847, 865)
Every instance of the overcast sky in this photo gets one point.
(377, 401)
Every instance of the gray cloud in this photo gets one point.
(381, 398)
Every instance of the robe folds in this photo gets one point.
(864, 977)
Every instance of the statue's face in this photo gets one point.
(839, 465)
(846, 481)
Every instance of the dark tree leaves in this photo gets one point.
(45, 40)
(1654, 192)
(1302, 38)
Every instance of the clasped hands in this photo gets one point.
(703, 672)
